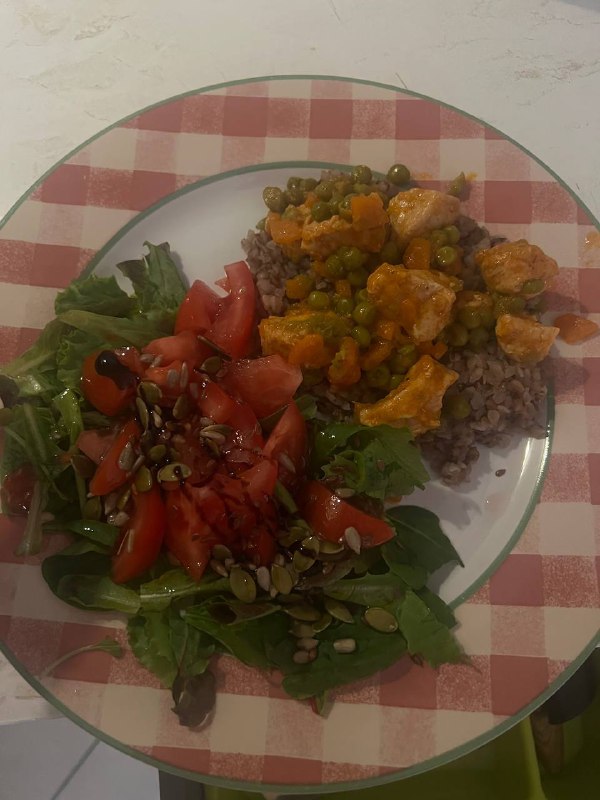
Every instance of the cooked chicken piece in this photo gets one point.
(524, 339)
(280, 334)
(419, 211)
(366, 231)
(416, 403)
(507, 267)
(419, 300)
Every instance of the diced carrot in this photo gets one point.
(377, 353)
(311, 352)
(345, 367)
(386, 329)
(299, 287)
(574, 329)
(417, 254)
(435, 350)
(319, 268)
(368, 212)
(343, 288)
(283, 231)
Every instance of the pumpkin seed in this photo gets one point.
(184, 377)
(344, 492)
(157, 453)
(157, 419)
(242, 585)
(263, 578)
(194, 391)
(143, 413)
(110, 502)
(302, 562)
(380, 620)
(352, 538)
(302, 630)
(288, 538)
(312, 543)
(323, 622)
(123, 498)
(338, 610)
(150, 392)
(224, 430)
(214, 437)
(126, 457)
(173, 472)
(218, 567)
(143, 479)
(92, 508)
(181, 409)
(282, 580)
(83, 465)
(221, 552)
(307, 643)
(303, 612)
(330, 548)
(301, 657)
(344, 645)
(212, 365)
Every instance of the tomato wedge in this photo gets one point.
(266, 384)
(184, 346)
(259, 481)
(198, 310)
(329, 516)
(167, 378)
(287, 445)
(110, 395)
(189, 537)
(213, 402)
(234, 322)
(16, 490)
(109, 475)
(142, 537)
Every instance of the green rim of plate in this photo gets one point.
(423, 766)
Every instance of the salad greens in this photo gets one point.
(177, 624)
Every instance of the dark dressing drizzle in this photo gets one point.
(109, 366)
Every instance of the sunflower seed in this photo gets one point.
(287, 462)
(303, 612)
(352, 538)
(217, 567)
(173, 472)
(143, 480)
(149, 392)
(272, 592)
(307, 643)
(143, 413)
(212, 365)
(279, 559)
(301, 657)
(182, 407)
(137, 463)
(173, 378)
(110, 502)
(146, 358)
(157, 453)
(194, 391)
(380, 620)
(251, 566)
(157, 419)
(344, 645)
(221, 552)
(229, 562)
(338, 610)
(118, 519)
(242, 585)
(323, 622)
(302, 562)
(157, 361)
(302, 630)
(282, 580)
(263, 578)
(205, 421)
(184, 377)
(123, 498)
(126, 457)
(344, 492)
(213, 436)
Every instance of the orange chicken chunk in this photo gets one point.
(523, 339)
(420, 211)
(516, 268)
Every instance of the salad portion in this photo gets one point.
(207, 498)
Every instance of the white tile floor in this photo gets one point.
(56, 760)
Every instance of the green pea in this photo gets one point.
(293, 182)
(404, 358)
(362, 174)
(537, 304)
(478, 337)
(361, 335)
(334, 267)
(344, 187)
(457, 406)
(362, 188)
(362, 296)
(446, 256)
(379, 377)
(289, 213)
(343, 306)
(469, 317)
(260, 225)
(308, 184)
(488, 320)
(334, 203)
(457, 335)
(320, 211)
(508, 304)
(358, 277)
(452, 234)
(352, 258)
(533, 286)
(390, 253)
(318, 301)
(365, 314)
(345, 208)
(324, 190)
(398, 174)
(438, 239)
(395, 380)
(274, 199)
(296, 195)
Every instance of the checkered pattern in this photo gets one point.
(539, 609)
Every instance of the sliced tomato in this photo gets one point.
(287, 445)
(167, 378)
(16, 490)
(213, 402)
(246, 434)
(109, 475)
(259, 481)
(198, 310)
(189, 537)
(212, 508)
(95, 444)
(130, 358)
(195, 454)
(329, 516)
(184, 346)
(142, 536)
(266, 384)
(234, 322)
(260, 547)
(110, 395)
